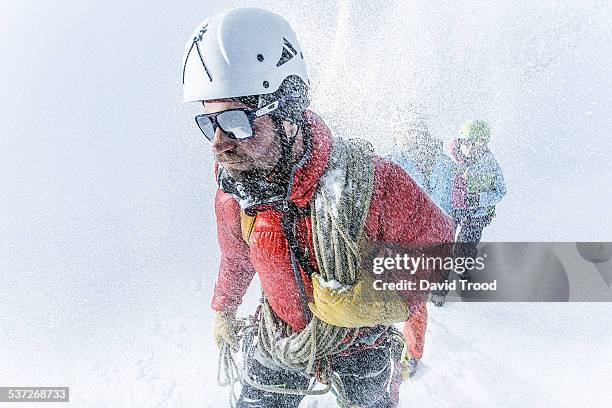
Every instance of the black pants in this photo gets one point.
(469, 233)
(470, 225)
(365, 376)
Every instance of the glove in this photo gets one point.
(472, 200)
(226, 329)
(408, 365)
(409, 368)
(357, 306)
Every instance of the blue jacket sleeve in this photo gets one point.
(442, 183)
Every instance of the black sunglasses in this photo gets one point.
(236, 123)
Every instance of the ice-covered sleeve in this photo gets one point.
(404, 213)
(403, 219)
(235, 270)
(490, 198)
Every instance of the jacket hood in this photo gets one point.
(306, 174)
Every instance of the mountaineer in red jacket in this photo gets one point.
(247, 68)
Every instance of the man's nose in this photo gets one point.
(222, 142)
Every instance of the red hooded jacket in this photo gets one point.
(400, 213)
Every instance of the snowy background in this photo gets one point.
(108, 252)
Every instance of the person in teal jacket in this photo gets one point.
(422, 157)
(478, 184)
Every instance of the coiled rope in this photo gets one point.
(229, 372)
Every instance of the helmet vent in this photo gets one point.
(288, 45)
(196, 40)
(203, 63)
(288, 53)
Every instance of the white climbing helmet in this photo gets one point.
(240, 52)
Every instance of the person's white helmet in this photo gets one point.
(240, 52)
